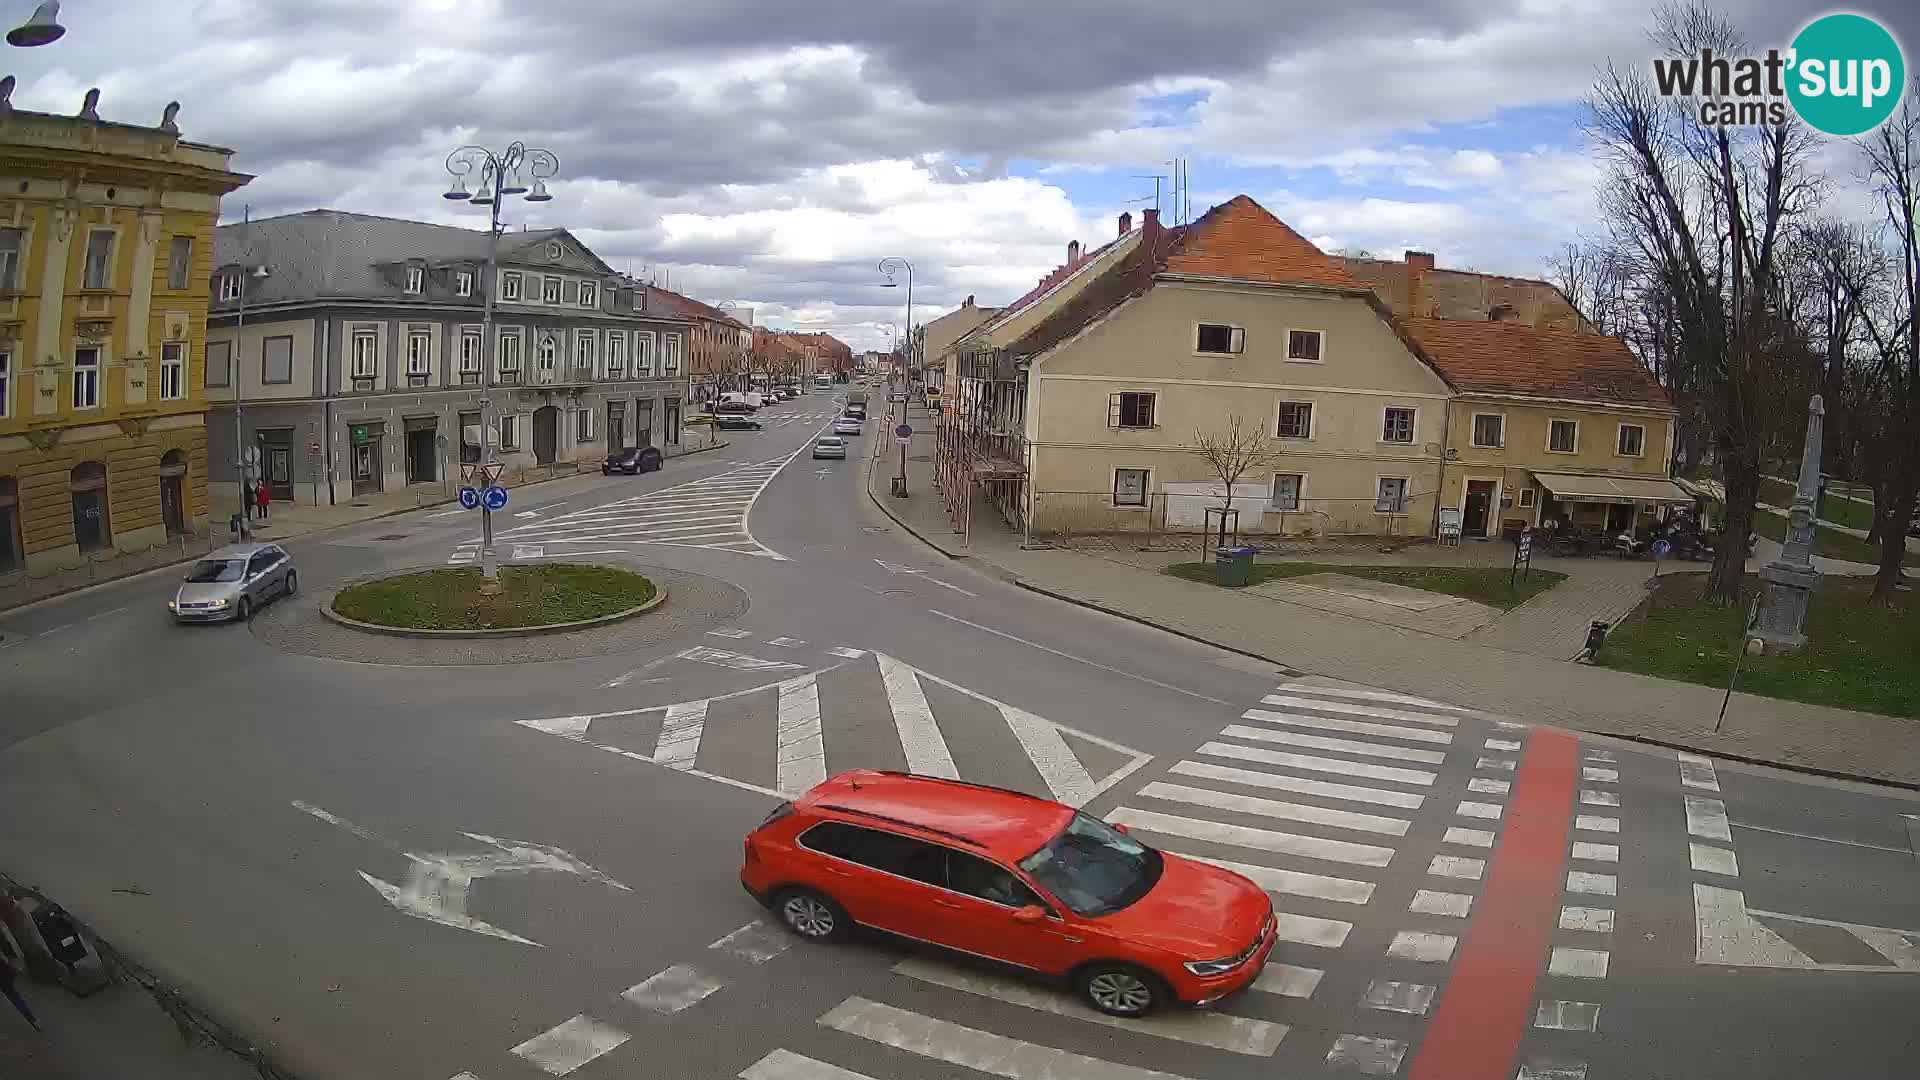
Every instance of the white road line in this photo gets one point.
(1310, 930)
(1414, 999)
(1604, 776)
(971, 1048)
(104, 614)
(1506, 745)
(1309, 847)
(1358, 727)
(1592, 797)
(1338, 746)
(1083, 660)
(1823, 839)
(1596, 823)
(801, 754)
(679, 741)
(1431, 902)
(1358, 710)
(1286, 811)
(920, 737)
(1371, 695)
(1457, 866)
(1468, 837)
(1597, 920)
(1567, 1016)
(1317, 764)
(1578, 963)
(1421, 946)
(786, 1065)
(1698, 772)
(1480, 785)
(1222, 1031)
(1581, 881)
(1290, 882)
(702, 654)
(786, 642)
(756, 943)
(1288, 980)
(1707, 819)
(1497, 764)
(1601, 755)
(670, 990)
(734, 632)
(1596, 852)
(1552, 1070)
(1713, 860)
(1405, 800)
(570, 1045)
(954, 588)
(1487, 810)
(1900, 947)
(847, 651)
(1366, 1055)
(1066, 778)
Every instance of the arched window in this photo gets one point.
(92, 518)
(13, 556)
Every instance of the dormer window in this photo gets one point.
(589, 294)
(463, 283)
(550, 290)
(416, 280)
(229, 287)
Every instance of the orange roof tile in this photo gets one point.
(1512, 358)
(1242, 240)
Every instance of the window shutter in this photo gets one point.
(1113, 410)
(1237, 340)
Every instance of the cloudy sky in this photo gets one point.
(770, 152)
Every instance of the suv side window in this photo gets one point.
(260, 561)
(887, 852)
(977, 877)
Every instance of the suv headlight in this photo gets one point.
(1214, 967)
(222, 602)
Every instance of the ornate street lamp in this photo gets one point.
(41, 28)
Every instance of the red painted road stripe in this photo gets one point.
(1476, 1031)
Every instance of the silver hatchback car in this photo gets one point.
(231, 582)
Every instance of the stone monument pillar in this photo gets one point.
(1790, 578)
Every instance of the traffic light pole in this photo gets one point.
(489, 562)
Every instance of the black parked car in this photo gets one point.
(735, 422)
(633, 461)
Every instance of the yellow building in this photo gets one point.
(106, 240)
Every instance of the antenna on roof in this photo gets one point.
(1157, 178)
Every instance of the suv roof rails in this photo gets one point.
(852, 812)
(961, 783)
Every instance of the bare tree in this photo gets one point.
(1232, 452)
(1708, 211)
(1598, 280)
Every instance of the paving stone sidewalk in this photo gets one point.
(1529, 687)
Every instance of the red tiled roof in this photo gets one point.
(1512, 358)
(1242, 240)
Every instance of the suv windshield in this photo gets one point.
(209, 570)
(1094, 868)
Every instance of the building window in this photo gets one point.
(1527, 498)
(470, 356)
(469, 438)
(219, 363)
(1219, 338)
(1130, 410)
(1286, 491)
(11, 241)
(509, 431)
(1398, 426)
(1296, 420)
(229, 287)
(589, 294)
(583, 341)
(508, 346)
(550, 290)
(616, 354)
(670, 355)
(416, 279)
(1391, 496)
(1303, 346)
(86, 377)
(179, 262)
(1130, 487)
(1563, 436)
(419, 357)
(276, 360)
(510, 285)
(463, 283)
(583, 425)
(549, 352)
(366, 354)
(98, 273)
(173, 372)
(1489, 430)
(6, 385)
(643, 355)
(1633, 440)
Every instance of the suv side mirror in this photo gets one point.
(1032, 913)
(1119, 828)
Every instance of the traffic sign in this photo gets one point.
(904, 431)
(494, 498)
(490, 472)
(470, 498)
(900, 441)
(1661, 548)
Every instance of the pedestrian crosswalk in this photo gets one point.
(707, 513)
(868, 710)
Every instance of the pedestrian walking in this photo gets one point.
(262, 495)
(13, 995)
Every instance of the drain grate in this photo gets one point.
(392, 536)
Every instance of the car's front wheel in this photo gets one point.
(243, 610)
(1119, 989)
(293, 583)
(812, 915)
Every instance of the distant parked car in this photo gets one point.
(733, 408)
(229, 583)
(632, 461)
(848, 425)
(735, 422)
(830, 446)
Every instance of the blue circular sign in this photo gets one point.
(1660, 549)
(470, 498)
(905, 431)
(495, 498)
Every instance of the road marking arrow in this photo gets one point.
(896, 568)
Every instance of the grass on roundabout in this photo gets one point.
(538, 595)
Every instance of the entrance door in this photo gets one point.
(280, 471)
(1619, 518)
(173, 469)
(546, 435)
(366, 467)
(420, 457)
(1479, 508)
(643, 422)
(92, 523)
(11, 556)
(616, 426)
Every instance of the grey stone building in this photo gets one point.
(360, 366)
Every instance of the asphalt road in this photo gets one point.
(1463, 897)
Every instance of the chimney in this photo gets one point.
(1418, 263)
(1073, 252)
(1150, 228)
(1126, 223)
(969, 302)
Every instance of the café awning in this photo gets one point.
(1630, 490)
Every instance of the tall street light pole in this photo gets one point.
(889, 266)
(500, 176)
(237, 376)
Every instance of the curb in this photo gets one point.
(327, 612)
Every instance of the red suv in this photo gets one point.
(1014, 878)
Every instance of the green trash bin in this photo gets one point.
(1232, 566)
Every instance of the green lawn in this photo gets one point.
(1858, 656)
(530, 596)
(1854, 515)
(1829, 542)
(1484, 584)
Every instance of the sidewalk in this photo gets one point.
(1528, 687)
